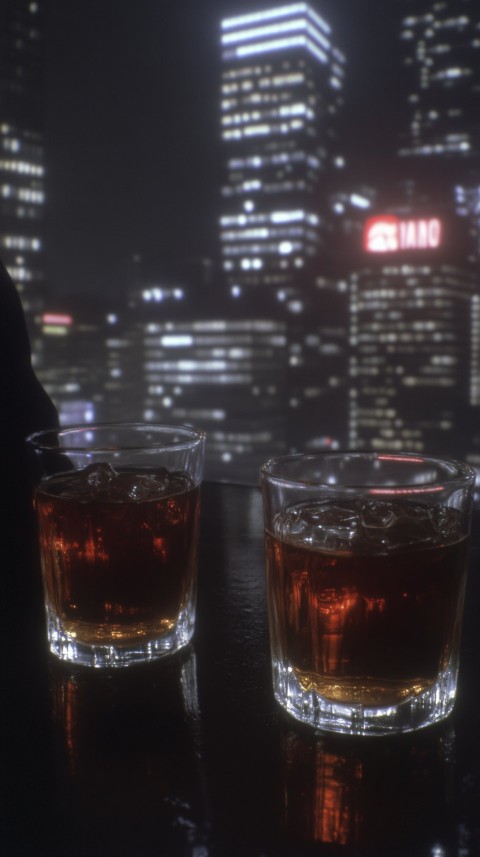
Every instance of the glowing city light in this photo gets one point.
(272, 14)
(390, 234)
(53, 318)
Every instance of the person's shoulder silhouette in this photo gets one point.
(25, 407)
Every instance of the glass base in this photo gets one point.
(67, 648)
(412, 714)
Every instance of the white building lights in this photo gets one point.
(215, 372)
(299, 24)
(282, 84)
(22, 168)
(275, 14)
(281, 44)
(26, 168)
(409, 325)
(441, 54)
(290, 26)
(20, 242)
(157, 294)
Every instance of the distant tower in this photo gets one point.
(441, 67)
(414, 332)
(441, 62)
(22, 166)
(411, 318)
(282, 88)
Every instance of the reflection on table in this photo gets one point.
(352, 791)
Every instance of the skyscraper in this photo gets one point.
(414, 331)
(281, 97)
(22, 163)
(281, 90)
(440, 70)
(441, 63)
(411, 305)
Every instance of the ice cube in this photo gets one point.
(148, 484)
(145, 487)
(446, 523)
(99, 475)
(410, 525)
(377, 514)
(333, 527)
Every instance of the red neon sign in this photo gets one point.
(57, 318)
(390, 234)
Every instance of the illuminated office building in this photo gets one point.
(282, 83)
(441, 63)
(414, 311)
(440, 42)
(412, 298)
(167, 359)
(226, 376)
(281, 91)
(72, 359)
(22, 168)
(317, 374)
(124, 389)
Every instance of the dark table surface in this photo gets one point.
(192, 756)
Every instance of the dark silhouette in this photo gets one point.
(25, 408)
(25, 405)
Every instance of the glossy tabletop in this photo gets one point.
(192, 756)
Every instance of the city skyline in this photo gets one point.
(334, 301)
(132, 131)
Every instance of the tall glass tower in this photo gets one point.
(414, 331)
(412, 362)
(441, 62)
(281, 90)
(22, 167)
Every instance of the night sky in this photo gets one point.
(132, 127)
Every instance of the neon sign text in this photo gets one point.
(390, 234)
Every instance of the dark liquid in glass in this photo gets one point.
(118, 551)
(366, 610)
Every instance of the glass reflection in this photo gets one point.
(362, 792)
(130, 755)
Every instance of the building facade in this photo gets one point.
(441, 67)
(411, 305)
(209, 366)
(282, 88)
(414, 336)
(281, 91)
(22, 155)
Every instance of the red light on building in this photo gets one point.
(390, 234)
(55, 318)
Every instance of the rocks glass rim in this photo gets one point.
(455, 471)
(182, 437)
